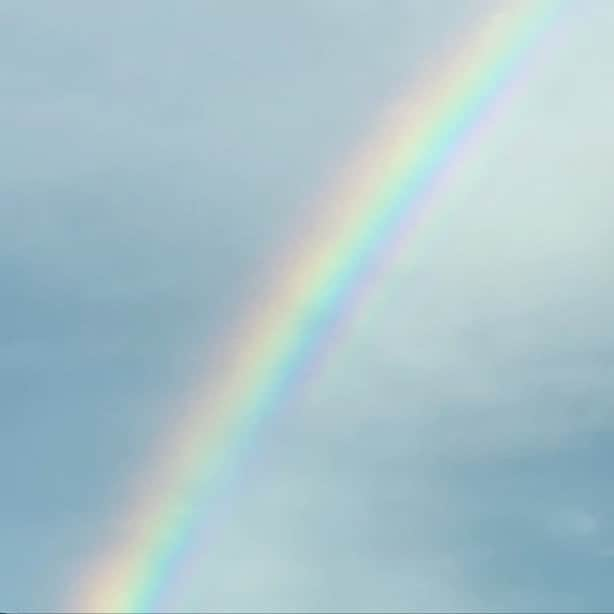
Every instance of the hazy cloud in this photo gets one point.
(455, 452)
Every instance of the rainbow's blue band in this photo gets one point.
(282, 338)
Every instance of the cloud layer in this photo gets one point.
(454, 453)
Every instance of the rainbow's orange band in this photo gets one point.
(282, 337)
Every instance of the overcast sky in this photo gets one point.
(456, 452)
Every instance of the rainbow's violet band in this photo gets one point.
(282, 339)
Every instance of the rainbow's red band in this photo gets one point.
(281, 337)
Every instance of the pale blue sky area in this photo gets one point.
(456, 452)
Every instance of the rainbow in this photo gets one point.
(324, 276)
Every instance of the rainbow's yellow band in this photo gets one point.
(281, 338)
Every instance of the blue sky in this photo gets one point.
(454, 455)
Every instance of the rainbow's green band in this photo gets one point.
(282, 337)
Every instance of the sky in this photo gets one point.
(455, 452)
